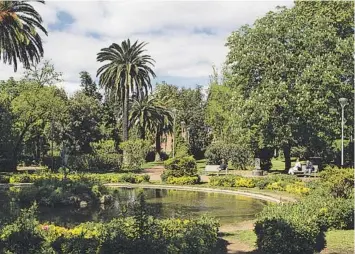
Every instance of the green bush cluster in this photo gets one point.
(131, 235)
(300, 227)
(104, 178)
(179, 167)
(239, 156)
(4, 179)
(183, 180)
(135, 152)
(290, 184)
(54, 192)
(101, 162)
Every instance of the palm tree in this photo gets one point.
(148, 115)
(126, 72)
(19, 40)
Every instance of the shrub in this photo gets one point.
(290, 228)
(183, 180)
(134, 152)
(132, 178)
(182, 166)
(297, 188)
(224, 181)
(54, 192)
(137, 234)
(245, 182)
(240, 156)
(97, 162)
(281, 181)
(179, 167)
(339, 181)
(22, 236)
(4, 179)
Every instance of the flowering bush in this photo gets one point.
(137, 234)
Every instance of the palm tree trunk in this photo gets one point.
(157, 145)
(142, 132)
(125, 115)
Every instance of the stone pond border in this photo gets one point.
(199, 189)
(179, 187)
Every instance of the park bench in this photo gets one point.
(211, 169)
(302, 171)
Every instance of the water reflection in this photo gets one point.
(161, 203)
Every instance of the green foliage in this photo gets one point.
(178, 167)
(280, 83)
(183, 180)
(134, 152)
(20, 40)
(82, 123)
(22, 236)
(190, 108)
(4, 179)
(128, 71)
(104, 158)
(138, 234)
(102, 178)
(238, 155)
(55, 192)
(286, 183)
(300, 227)
(339, 181)
(224, 181)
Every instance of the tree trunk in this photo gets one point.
(157, 146)
(125, 115)
(287, 154)
(17, 147)
(142, 132)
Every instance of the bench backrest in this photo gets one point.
(212, 168)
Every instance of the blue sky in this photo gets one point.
(185, 37)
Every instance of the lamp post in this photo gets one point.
(343, 102)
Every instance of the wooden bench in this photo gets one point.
(211, 169)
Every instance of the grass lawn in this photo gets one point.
(152, 164)
(201, 164)
(338, 241)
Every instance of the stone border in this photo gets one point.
(177, 187)
(199, 189)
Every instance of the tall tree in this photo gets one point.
(89, 86)
(33, 106)
(19, 39)
(43, 73)
(150, 116)
(287, 73)
(126, 70)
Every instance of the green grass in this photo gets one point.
(278, 164)
(340, 241)
(246, 236)
(152, 164)
(201, 164)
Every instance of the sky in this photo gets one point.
(186, 38)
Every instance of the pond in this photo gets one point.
(161, 203)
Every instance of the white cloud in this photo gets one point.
(167, 25)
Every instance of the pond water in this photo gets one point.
(161, 203)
